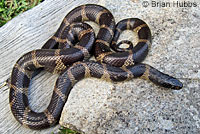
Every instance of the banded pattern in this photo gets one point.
(59, 53)
(54, 60)
(131, 55)
(117, 74)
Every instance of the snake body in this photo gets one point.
(59, 55)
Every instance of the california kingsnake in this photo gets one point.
(58, 54)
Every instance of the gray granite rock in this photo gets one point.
(138, 106)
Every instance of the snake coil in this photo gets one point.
(59, 55)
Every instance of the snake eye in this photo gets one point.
(176, 84)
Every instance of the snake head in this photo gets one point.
(164, 80)
(173, 83)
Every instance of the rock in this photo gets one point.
(137, 106)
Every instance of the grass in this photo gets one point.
(11, 8)
(63, 130)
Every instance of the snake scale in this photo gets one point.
(60, 55)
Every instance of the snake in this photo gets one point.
(67, 53)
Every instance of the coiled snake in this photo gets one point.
(59, 53)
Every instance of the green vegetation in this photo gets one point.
(63, 130)
(11, 8)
